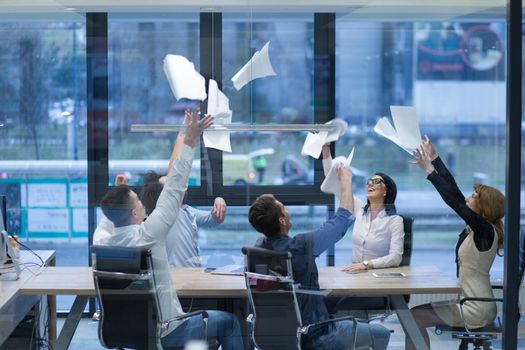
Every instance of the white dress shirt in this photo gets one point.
(379, 241)
(155, 230)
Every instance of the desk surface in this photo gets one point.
(194, 282)
(9, 289)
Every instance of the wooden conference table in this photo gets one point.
(195, 283)
(13, 306)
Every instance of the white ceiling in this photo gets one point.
(355, 9)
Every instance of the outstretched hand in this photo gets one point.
(219, 210)
(429, 148)
(423, 160)
(195, 127)
(121, 180)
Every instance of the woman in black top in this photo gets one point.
(475, 250)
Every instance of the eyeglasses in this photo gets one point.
(374, 181)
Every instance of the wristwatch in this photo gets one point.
(365, 262)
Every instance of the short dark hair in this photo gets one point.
(150, 195)
(117, 205)
(264, 215)
(151, 177)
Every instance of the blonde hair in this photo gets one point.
(491, 206)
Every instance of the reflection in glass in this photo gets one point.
(286, 98)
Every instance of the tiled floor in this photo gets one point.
(86, 337)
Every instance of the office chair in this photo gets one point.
(408, 223)
(275, 320)
(482, 337)
(130, 315)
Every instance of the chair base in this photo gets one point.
(479, 344)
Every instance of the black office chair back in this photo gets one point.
(408, 222)
(275, 311)
(126, 292)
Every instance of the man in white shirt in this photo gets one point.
(124, 209)
(182, 244)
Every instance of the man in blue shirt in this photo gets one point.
(270, 217)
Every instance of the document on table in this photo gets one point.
(259, 66)
(237, 270)
(331, 183)
(405, 133)
(219, 107)
(313, 145)
(184, 80)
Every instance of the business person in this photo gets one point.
(476, 248)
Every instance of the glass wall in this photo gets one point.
(453, 73)
(42, 134)
(286, 98)
(139, 92)
(449, 65)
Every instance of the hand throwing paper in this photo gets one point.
(219, 107)
(406, 133)
(184, 80)
(313, 145)
(331, 183)
(259, 66)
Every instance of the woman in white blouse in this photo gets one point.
(377, 236)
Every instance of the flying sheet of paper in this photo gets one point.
(407, 126)
(217, 100)
(219, 139)
(406, 133)
(259, 66)
(331, 183)
(313, 145)
(219, 107)
(184, 80)
(339, 129)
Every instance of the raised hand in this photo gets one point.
(219, 210)
(121, 180)
(326, 150)
(429, 148)
(346, 197)
(423, 160)
(195, 127)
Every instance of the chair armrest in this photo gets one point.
(204, 314)
(306, 329)
(464, 300)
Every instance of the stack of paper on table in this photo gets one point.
(313, 144)
(406, 133)
(331, 183)
(258, 66)
(219, 107)
(184, 80)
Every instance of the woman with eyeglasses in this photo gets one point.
(377, 236)
(476, 248)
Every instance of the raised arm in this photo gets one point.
(449, 191)
(179, 142)
(335, 228)
(213, 217)
(327, 158)
(167, 209)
